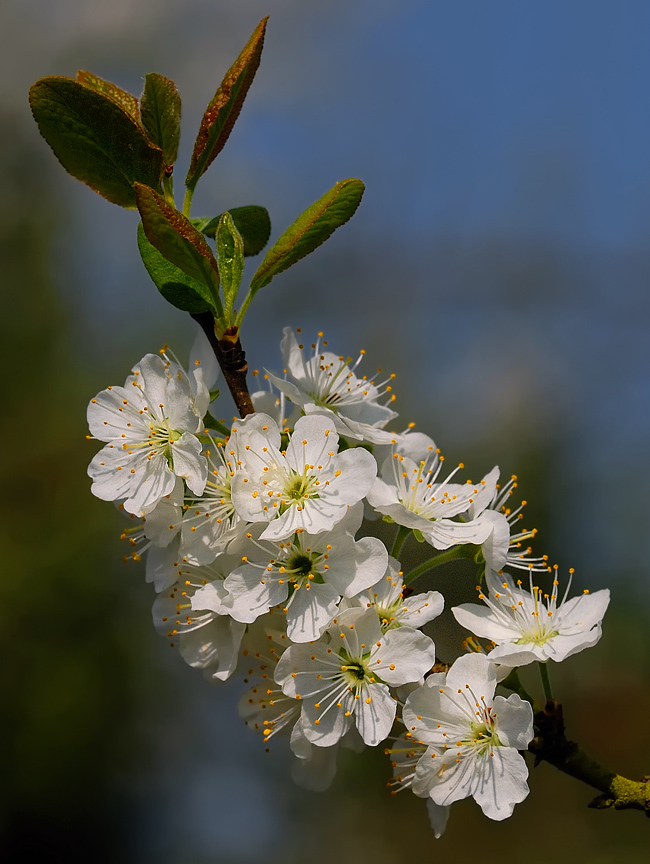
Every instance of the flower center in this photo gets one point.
(297, 488)
(538, 636)
(484, 736)
(161, 436)
(300, 564)
(356, 671)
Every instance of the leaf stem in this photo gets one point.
(187, 202)
(398, 542)
(242, 311)
(452, 554)
(168, 190)
(546, 681)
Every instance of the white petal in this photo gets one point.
(162, 566)
(502, 782)
(211, 596)
(312, 440)
(514, 721)
(202, 355)
(406, 655)
(148, 486)
(189, 463)
(325, 728)
(444, 779)
(354, 566)
(251, 595)
(421, 608)
(317, 771)
(374, 715)
(214, 647)
(486, 490)
(476, 672)
(482, 621)
(583, 612)
(444, 533)
(310, 610)
(438, 817)
(495, 547)
(560, 647)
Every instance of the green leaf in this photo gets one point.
(178, 241)
(252, 222)
(174, 285)
(230, 254)
(223, 110)
(124, 99)
(160, 110)
(95, 139)
(309, 230)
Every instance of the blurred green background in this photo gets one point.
(499, 265)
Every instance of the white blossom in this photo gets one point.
(504, 547)
(276, 405)
(314, 767)
(327, 384)
(313, 571)
(191, 613)
(386, 597)
(308, 487)
(203, 357)
(409, 493)
(472, 738)
(263, 706)
(150, 427)
(157, 529)
(528, 624)
(211, 521)
(405, 755)
(345, 676)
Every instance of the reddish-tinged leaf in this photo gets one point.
(310, 229)
(95, 139)
(124, 99)
(160, 110)
(177, 240)
(223, 110)
(175, 286)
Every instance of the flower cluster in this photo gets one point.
(259, 541)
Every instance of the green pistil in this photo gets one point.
(483, 738)
(534, 639)
(387, 616)
(299, 487)
(356, 670)
(300, 564)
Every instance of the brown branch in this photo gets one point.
(552, 745)
(232, 360)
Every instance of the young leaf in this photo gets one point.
(223, 110)
(230, 252)
(160, 110)
(174, 285)
(178, 241)
(95, 139)
(309, 230)
(124, 99)
(252, 222)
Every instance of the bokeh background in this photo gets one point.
(499, 264)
